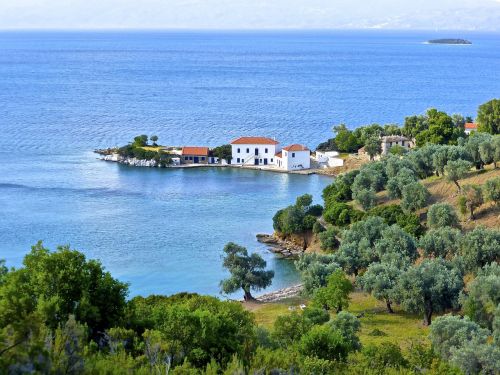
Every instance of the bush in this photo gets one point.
(442, 215)
(324, 342)
(318, 228)
(342, 214)
(329, 240)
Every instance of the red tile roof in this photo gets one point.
(254, 141)
(279, 154)
(470, 125)
(295, 147)
(197, 151)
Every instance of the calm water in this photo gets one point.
(64, 94)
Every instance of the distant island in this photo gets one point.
(449, 41)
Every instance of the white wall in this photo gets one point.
(247, 156)
(293, 160)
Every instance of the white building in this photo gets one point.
(293, 157)
(254, 151)
(395, 140)
(328, 159)
(470, 127)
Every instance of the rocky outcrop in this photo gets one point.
(278, 295)
(129, 161)
(280, 246)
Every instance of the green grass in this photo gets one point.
(400, 327)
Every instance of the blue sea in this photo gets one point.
(63, 94)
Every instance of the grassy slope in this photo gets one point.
(400, 327)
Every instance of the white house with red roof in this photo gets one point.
(293, 157)
(254, 151)
(470, 127)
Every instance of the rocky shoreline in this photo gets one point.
(278, 246)
(134, 162)
(281, 294)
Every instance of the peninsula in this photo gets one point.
(448, 41)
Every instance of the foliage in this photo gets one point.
(342, 214)
(491, 190)
(483, 296)
(314, 270)
(223, 152)
(328, 238)
(442, 242)
(247, 271)
(394, 214)
(480, 247)
(396, 184)
(429, 287)
(366, 198)
(58, 284)
(441, 129)
(349, 326)
(414, 197)
(289, 329)
(473, 198)
(442, 215)
(335, 295)
(456, 170)
(488, 116)
(373, 146)
(465, 344)
(324, 342)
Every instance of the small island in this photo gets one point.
(448, 41)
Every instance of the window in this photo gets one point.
(293, 154)
(190, 158)
(238, 151)
(202, 158)
(186, 158)
(248, 150)
(265, 151)
(238, 159)
(271, 160)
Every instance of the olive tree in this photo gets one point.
(396, 184)
(429, 287)
(442, 215)
(483, 295)
(314, 270)
(365, 197)
(373, 146)
(456, 170)
(472, 198)
(247, 271)
(491, 190)
(486, 152)
(496, 149)
(479, 247)
(443, 242)
(414, 197)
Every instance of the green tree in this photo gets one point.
(414, 197)
(429, 287)
(496, 149)
(441, 242)
(335, 295)
(345, 141)
(488, 117)
(323, 342)
(456, 170)
(373, 147)
(349, 326)
(441, 129)
(491, 190)
(480, 247)
(483, 296)
(328, 239)
(62, 283)
(404, 177)
(247, 271)
(140, 141)
(395, 241)
(473, 198)
(380, 279)
(415, 125)
(366, 198)
(154, 139)
(442, 215)
(314, 270)
(289, 329)
(486, 152)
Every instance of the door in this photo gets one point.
(265, 161)
(196, 159)
(256, 161)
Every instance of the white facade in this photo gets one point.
(254, 151)
(395, 140)
(294, 157)
(328, 159)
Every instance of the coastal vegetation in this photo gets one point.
(140, 149)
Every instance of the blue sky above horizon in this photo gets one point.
(481, 15)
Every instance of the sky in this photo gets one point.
(251, 14)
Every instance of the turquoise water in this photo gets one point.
(65, 94)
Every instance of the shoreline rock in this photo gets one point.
(278, 246)
(134, 162)
(280, 294)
